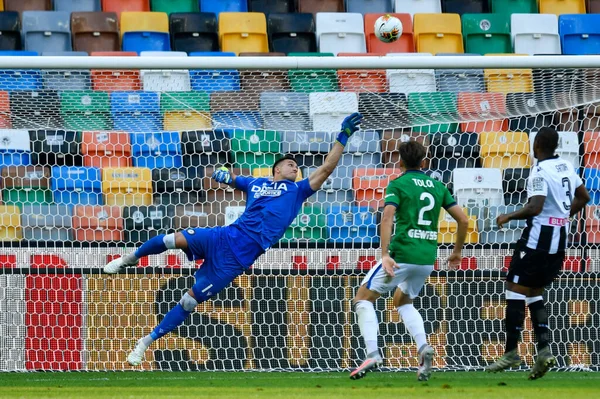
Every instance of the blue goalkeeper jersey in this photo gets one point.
(270, 208)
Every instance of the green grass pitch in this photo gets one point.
(239, 385)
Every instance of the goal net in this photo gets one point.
(96, 160)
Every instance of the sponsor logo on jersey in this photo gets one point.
(422, 234)
(537, 184)
(273, 189)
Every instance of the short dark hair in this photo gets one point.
(547, 139)
(283, 158)
(412, 154)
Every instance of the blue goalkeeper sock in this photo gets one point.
(172, 320)
(153, 246)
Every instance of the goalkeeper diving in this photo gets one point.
(271, 206)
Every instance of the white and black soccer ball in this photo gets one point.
(388, 28)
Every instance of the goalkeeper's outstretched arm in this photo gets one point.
(225, 176)
(349, 126)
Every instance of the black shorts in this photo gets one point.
(532, 268)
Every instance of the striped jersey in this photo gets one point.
(555, 179)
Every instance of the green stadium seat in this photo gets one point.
(185, 110)
(309, 226)
(313, 80)
(254, 148)
(85, 110)
(171, 6)
(487, 33)
(426, 107)
(26, 185)
(514, 6)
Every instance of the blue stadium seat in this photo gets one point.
(591, 177)
(156, 150)
(44, 222)
(65, 54)
(77, 5)
(10, 31)
(145, 31)
(579, 33)
(18, 53)
(15, 147)
(215, 80)
(194, 32)
(47, 30)
(217, 6)
(237, 119)
(351, 225)
(77, 185)
(20, 79)
(136, 111)
(309, 148)
(285, 111)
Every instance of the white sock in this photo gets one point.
(414, 324)
(368, 324)
(147, 340)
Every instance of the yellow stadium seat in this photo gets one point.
(504, 150)
(562, 7)
(266, 172)
(137, 21)
(508, 80)
(438, 33)
(127, 186)
(447, 229)
(10, 223)
(243, 32)
(187, 120)
(1, 5)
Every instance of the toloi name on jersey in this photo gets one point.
(423, 183)
(422, 234)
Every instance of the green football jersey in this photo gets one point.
(418, 199)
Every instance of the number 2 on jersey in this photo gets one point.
(430, 203)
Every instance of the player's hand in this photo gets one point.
(349, 126)
(454, 260)
(222, 175)
(501, 220)
(389, 266)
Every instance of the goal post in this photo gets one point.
(99, 154)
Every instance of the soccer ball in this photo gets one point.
(388, 28)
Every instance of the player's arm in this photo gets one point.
(462, 226)
(226, 176)
(349, 126)
(582, 197)
(537, 190)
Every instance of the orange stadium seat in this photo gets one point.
(115, 80)
(405, 44)
(438, 33)
(369, 185)
(592, 224)
(5, 122)
(243, 32)
(504, 150)
(119, 6)
(106, 149)
(591, 157)
(97, 223)
(489, 108)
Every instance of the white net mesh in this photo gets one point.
(95, 162)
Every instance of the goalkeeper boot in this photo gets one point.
(372, 362)
(137, 354)
(508, 360)
(543, 362)
(116, 265)
(425, 362)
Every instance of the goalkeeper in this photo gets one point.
(271, 206)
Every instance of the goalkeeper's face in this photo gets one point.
(286, 170)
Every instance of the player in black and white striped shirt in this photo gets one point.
(555, 193)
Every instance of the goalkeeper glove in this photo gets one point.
(222, 175)
(349, 126)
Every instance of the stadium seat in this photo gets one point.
(488, 110)
(340, 33)
(185, 110)
(110, 80)
(5, 122)
(308, 227)
(362, 150)
(514, 6)
(328, 110)
(489, 233)
(316, 6)
(10, 223)
(42, 222)
(219, 6)
(272, 6)
(438, 33)
(592, 224)
(35, 109)
(285, 111)
(15, 147)
(241, 113)
(82, 110)
(264, 80)
(336, 190)
(508, 81)
(450, 151)
(55, 147)
(175, 186)
(24, 185)
(64, 54)
(382, 110)
(120, 6)
(559, 7)
(580, 34)
(362, 80)
(194, 32)
(254, 148)
(530, 106)
(308, 148)
(367, 6)
(426, 107)
(487, 33)
(156, 150)
(215, 80)
(243, 32)
(97, 223)
(460, 80)
(76, 185)
(418, 6)
(205, 148)
(292, 32)
(351, 225)
(77, 5)
(411, 80)
(127, 186)
(47, 31)
(137, 111)
(504, 150)
(10, 31)
(592, 6)
(196, 215)
(27, 5)
(404, 44)
(369, 185)
(462, 7)
(514, 183)
(391, 140)
(175, 6)
(66, 79)
(145, 31)
(591, 157)
(145, 222)
(95, 31)
(313, 80)
(217, 192)
(447, 229)
(591, 178)
(106, 149)
(161, 80)
(535, 33)
(477, 187)
(568, 147)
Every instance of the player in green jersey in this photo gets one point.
(415, 200)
